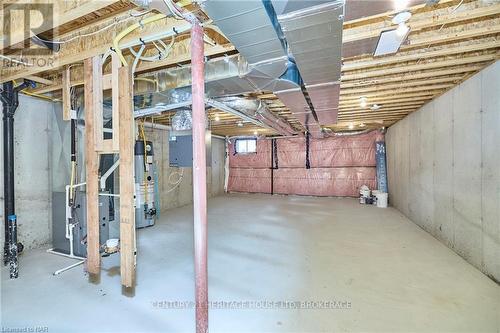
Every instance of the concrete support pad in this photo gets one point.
(394, 275)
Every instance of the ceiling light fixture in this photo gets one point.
(402, 29)
(401, 17)
(363, 102)
(375, 107)
(217, 118)
(255, 133)
(351, 126)
(400, 4)
(240, 124)
(362, 125)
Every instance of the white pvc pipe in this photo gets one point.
(108, 173)
(157, 126)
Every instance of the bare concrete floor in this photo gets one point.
(395, 276)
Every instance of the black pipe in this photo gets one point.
(73, 140)
(10, 102)
(308, 162)
(13, 248)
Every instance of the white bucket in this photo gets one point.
(364, 191)
(382, 200)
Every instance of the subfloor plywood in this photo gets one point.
(394, 275)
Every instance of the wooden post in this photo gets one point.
(127, 210)
(66, 94)
(115, 66)
(91, 69)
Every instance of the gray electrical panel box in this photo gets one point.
(180, 150)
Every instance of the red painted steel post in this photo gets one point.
(199, 178)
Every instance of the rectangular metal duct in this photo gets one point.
(325, 98)
(314, 35)
(248, 26)
(252, 27)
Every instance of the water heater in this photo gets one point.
(145, 204)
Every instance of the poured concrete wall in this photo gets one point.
(41, 166)
(173, 193)
(33, 190)
(444, 169)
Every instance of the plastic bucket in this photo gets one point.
(382, 200)
(364, 193)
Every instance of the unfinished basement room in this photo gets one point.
(237, 166)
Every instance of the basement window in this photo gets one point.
(246, 146)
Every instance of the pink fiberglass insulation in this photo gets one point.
(344, 182)
(250, 180)
(292, 152)
(261, 159)
(344, 151)
(339, 166)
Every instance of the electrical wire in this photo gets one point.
(116, 21)
(141, 23)
(165, 51)
(48, 98)
(174, 10)
(177, 182)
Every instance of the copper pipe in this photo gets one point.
(199, 178)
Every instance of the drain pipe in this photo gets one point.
(10, 102)
(199, 178)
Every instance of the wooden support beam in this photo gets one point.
(401, 84)
(421, 21)
(66, 94)
(409, 77)
(420, 66)
(63, 12)
(92, 169)
(127, 210)
(391, 92)
(412, 56)
(39, 79)
(424, 40)
(115, 79)
(97, 108)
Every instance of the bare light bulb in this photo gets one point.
(351, 126)
(402, 29)
(217, 118)
(362, 102)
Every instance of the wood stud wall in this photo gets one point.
(448, 43)
(122, 142)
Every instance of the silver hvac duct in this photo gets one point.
(258, 109)
(313, 30)
(224, 77)
(251, 27)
